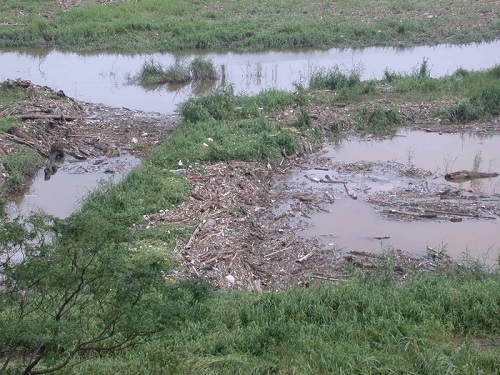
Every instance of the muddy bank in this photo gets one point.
(60, 128)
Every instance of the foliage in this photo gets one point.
(154, 25)
(334, 79)
(482, 104)
(66, 301)
(153, 73)
(419, 80)
(379, 119)
(203, 69)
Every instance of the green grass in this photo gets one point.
(153, 73)
(21, 165)
(431, 324)
(483, 100)
(379, 119)
(156, 25)
(334, 79)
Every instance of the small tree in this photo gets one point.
(63, 301)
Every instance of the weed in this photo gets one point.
(478, 160)
(218, 105)
(379, 119)
(203, 69)
(21, 165)
(459, 113)
(303, 119)
(334, 79)
(488, 100)
(176, 73)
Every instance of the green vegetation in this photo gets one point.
(21, 165)
(379, 119)
(78, 299)
(152, 73)
(433, 323)
(334, 79)
(156, 25)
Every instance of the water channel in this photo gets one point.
(103, 78)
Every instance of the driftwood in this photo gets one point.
(16, 135)
(53, 161)
(466, 175)
(46, 117)
(350, 192)
(306, 257)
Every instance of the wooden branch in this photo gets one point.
(46, 117)
(306, 257)
(350, 192)
(283, 249)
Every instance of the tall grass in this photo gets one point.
(379, 119)
(334, 79)
(153, 73)
(433, 323)
(21, 165)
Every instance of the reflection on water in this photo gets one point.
(437, 153)
(102, 78)
(353, 224)
(63, 193)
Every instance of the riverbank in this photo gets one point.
(154, 26)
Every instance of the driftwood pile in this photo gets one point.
(238, 241)
(51, 120)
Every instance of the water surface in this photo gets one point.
(353, 224)
(102, 77)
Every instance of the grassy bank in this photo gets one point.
(155, 25)
(433, 324)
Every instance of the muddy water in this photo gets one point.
(62, 194)
(354, 224)
(102, 78)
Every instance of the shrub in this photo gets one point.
(379, 119)
(21, 164)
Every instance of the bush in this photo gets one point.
(203, 69)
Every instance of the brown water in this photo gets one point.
(102, 78)
(353, 224)
(63, 193)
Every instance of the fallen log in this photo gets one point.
(468, 175)
(46, 117)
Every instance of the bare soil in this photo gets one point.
(249, 217)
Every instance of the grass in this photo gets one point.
(379, 119)
(21, 165)
(152, 73)
(155, 25)
(431, 324)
